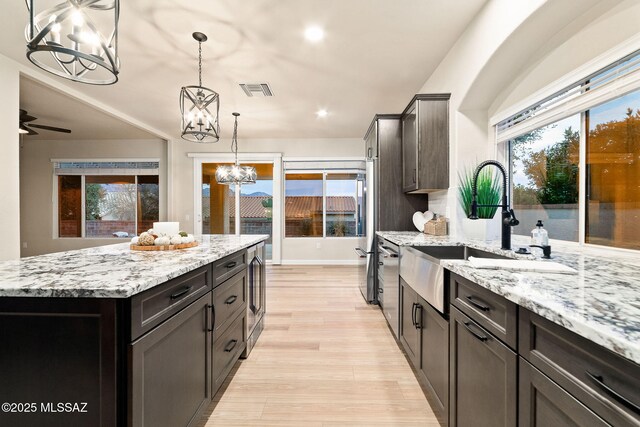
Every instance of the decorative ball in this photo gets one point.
(176, 239)
(162, 241)
(145, 239)
(134, 241)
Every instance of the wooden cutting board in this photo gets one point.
(164, 247)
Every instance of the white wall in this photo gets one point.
(9, 160)
(331, 250)
(511, 49)
(37, 181)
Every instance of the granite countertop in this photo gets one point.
(112, 271)
(601, 302)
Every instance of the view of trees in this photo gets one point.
(552, 171)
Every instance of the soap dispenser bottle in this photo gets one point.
(539, 235)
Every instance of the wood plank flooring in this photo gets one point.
(325, 359)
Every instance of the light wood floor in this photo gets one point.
(325, 358)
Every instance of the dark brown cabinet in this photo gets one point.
(394, 207)
(425, 143)
(153, 359)
(424, 335)
(434, 358)
(409, 323)
(483, 376)
(170, 376)
(544, 403)
(606, 383)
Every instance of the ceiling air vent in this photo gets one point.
(256, 89)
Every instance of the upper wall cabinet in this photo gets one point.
(425, 144)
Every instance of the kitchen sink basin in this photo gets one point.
(456, 252)
(420, 268)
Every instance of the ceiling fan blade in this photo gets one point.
(25, 117)
(29, 130)
(54, 129)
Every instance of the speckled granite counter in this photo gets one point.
(601, 302)
(112, 271)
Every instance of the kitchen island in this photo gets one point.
(546, 348)
(109, 336)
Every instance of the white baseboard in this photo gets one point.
(320, 262)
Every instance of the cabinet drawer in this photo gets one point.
(227, 349)
(228, 298)
(152, 307)
(606, 383)
(228, 266)
(495, 313)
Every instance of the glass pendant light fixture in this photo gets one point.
(236, 174)
(75, 39)
(199, 106)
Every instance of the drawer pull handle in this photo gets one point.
(178, 294)
(476, 303)
(413, 314)
(418, 316)
(599, 380)
(231, 346)
(231, 299)
(475, 334)
(231, 264)
(213, 314)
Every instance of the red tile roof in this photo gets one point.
(295, 206)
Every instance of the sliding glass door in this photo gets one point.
(254, 201)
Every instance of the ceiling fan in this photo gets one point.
(25, 125)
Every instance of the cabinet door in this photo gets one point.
(434, 358)
(433, 144)
(170, 369)
(409, 150)
(544, 403)
(409, 324)
(483, 376)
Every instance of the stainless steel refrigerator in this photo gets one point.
(381, 198)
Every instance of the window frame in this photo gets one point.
(126, 172)
(324, 173)
(582, 160)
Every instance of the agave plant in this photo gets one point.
(489, 191)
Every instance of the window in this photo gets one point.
(593, 127)
(323, 204)
(544, 172)
(98, 200)
(613, 173)
(303, 211)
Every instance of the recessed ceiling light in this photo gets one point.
(314, 34)
(322, 113)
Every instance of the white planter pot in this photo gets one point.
(482, 229)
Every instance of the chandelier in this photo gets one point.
(75, 39)
(236, 174)
(199, 106)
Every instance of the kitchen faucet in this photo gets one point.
(508, 216)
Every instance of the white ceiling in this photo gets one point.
(54, 108)
(376, 55)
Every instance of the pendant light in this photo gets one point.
(75, 39)
(199, 106)
(236, 174)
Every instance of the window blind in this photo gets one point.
(106, 168)
(617, 79)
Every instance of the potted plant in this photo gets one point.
(489, 193)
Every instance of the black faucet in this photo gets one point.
(546, 250)
(508, 216)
